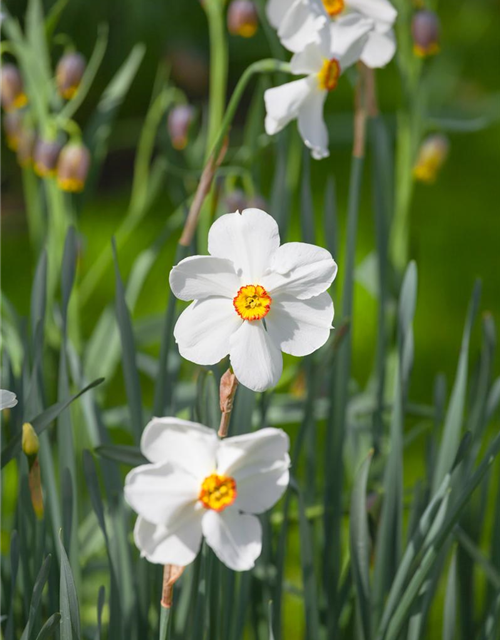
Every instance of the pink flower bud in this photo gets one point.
(13, 125)
(69, 73)
(73, 167)
(45, 157)
(178, 123)
(13, 96)
(425, 29)
(242, 18)
(431, 157)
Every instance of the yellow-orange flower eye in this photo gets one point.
(217, 492)
(333, 7)
(252, 302)
(328, 77)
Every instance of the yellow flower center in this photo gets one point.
(423, 52)
(217, 492)
(252, 302)
(328, 77)
(333, 7)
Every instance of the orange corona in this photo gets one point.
(218, 492)
(333, 7)
(328, 77)
(252, 302)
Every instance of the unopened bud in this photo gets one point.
(13, 96)
(69, 74)
(242, 18)
(25, 146)
(45, 157)
(227, 391)
(13, 126)
(431, 157)
(30, 442)
(425, 29)
(73, 167)
(178, 124)
(258, 202)
(235, 200)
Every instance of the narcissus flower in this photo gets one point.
(7, 399)
(198, 486)
(253, 298)
(299, 21)
(340, 45)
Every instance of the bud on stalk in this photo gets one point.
(45, 157)
(73, 167)
(13, 96)
(425, 29)
(178, 124)
(242, 18)
(431, 157)
(31, 445)
(69, 74)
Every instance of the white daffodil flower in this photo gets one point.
(7, 399)
(299, 21)
(198, 486)
(253, 298)
(339, 46)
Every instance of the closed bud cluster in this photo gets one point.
(13, 127)
(431, 157)
(69, 74)
(30, 442)
(13, 96)
(425, 30)
(178, 124)
(73, 167)
(25, 146)
(242, 18)
(45, 157)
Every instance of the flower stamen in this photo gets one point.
(328, 77)
(217, 492)
(333, 7)
(252, 302)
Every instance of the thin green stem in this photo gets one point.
(218, 67)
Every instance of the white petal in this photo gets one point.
(300, 269)
(379, 49)
(308, 61)
(249, 239)
(301, 25)
(7, 399)
(176, 545)
(378, 10)
(300, 326)
(256, 360)
(202, 331)
(259, 463)
(157, 492)
(186, 444)
(200, 277)
(236, 539)
(349, 35)
(283, 103)
(277, 9)
(312, 127)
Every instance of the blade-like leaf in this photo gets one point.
(70, 611)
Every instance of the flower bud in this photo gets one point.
(13, 96)
(235, 200)
(431, 157)
(25, 146)
(425, 29)
(13, 125)
(73, 167)
(45, 157)
(178, 123)
(30, 442)
(69, 73)
(242, 18)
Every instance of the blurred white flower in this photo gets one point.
(253, 299)
(339, 46)
(199, 486)
(298, 23)
(7, 399)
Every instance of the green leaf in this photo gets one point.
(14, 566)
(40, 582)
(130, 372)
(306, 200)
(50, 627)
(360, 547)
(207, 400)
(70, 611)
(121, 453)
(100, 606)
(39, 294)
(68, 269)
(42, 421)
(454, 416)
(450, 603)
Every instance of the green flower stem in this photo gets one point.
(218, 67)
(33, 208)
